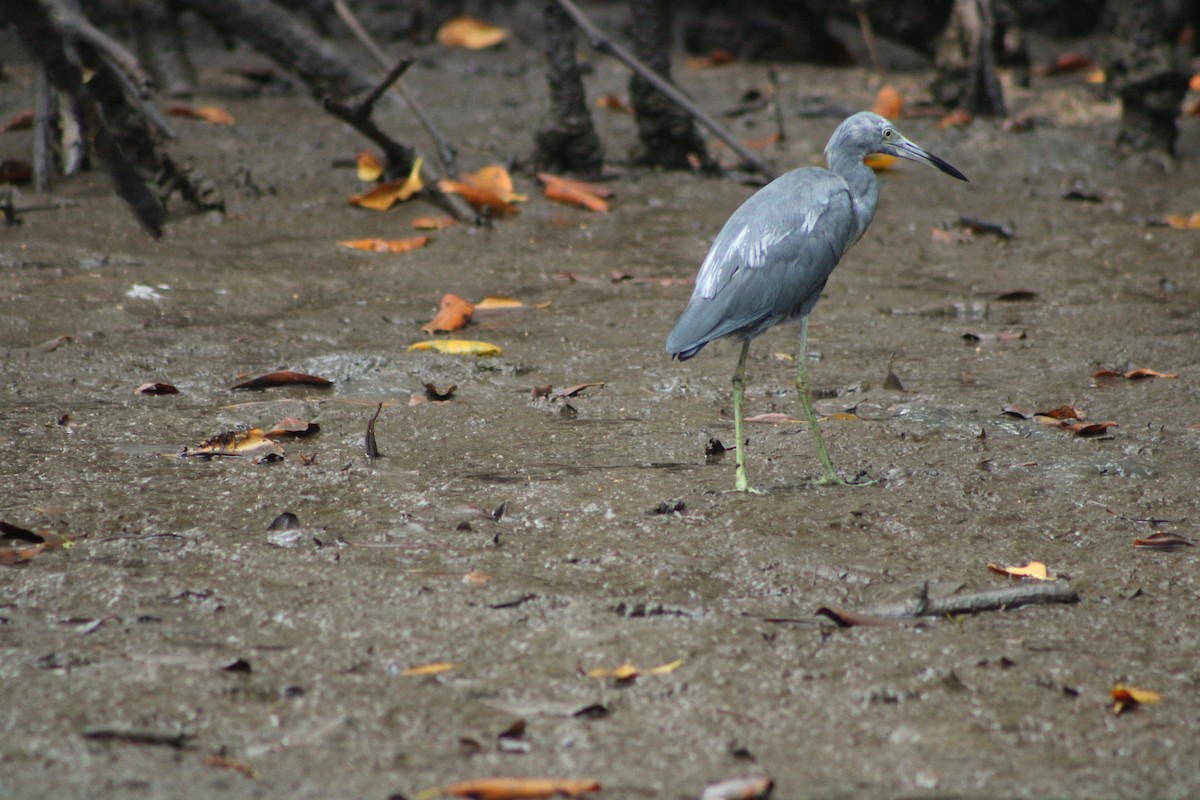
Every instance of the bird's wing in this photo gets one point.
(771, 260)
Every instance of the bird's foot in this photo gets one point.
(741, 484)
(832, 479)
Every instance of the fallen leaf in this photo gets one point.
(614, 103)
(436, 395)
(387, 245)
(565, 193)
(214, 114)
(1034, 569)
(597, 189)
(1139, 374)
(436, 668)
(21, 121)
(498, 302)
(880, 161)
(571, 391)
(470, 33)
(368, 167)
(625, 672)
(156, 388)
(478, 198)
(520, 788)
(665, 669)
(1126, 698)
(476, 577)
(1017, 411)
(761, 142)
(386, 195)
(1089, 428)
(1064, 412)
(1096, 76)
(1068, 62)
(739, 789)
(433, 223)
(225, 762)
(1164, 541)
(956, 236)
(251, 442)
(495, 179)
(458, 347)
(955, 119)
(283, 378)
(453, 314)
(53, 344)
(888, 103)
(717, 58)
(292, 428)
(1182, 223)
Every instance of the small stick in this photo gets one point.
(371, 447)
(989, 600)
(603, 44)
(860, 9)
(776, 101)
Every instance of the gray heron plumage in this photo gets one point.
(772, 258)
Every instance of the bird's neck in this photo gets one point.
(864, 190)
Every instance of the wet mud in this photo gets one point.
(617, 541)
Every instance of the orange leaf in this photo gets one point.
(562, 193)
(283, 378)
(386, 195)
(1128, 697)
(762, 141)
(453, 315)
(471, 33)
(214, 114)
(880, 161)
(1068, 62)
(387, 245)
(717, 58)
(955, 119)
(494, 178)
(591, 188)
(614, 103)
(433, 223)
(478, 198)
(520, 788)
(888, 103)
(369, 168)
(1194, 82)
(235, 443)
(1034, 569)
(495, 302)
(1181, 223)
(428, 669)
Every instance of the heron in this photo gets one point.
(772, 258)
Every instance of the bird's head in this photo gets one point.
(866, 133)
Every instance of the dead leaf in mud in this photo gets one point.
(21, 121)
(499, 303)
(385, 195)
(1034, 569)
(13, 170)
(719, 57)
(614, 103)
(458, 347)
(476, 577)
(453, 314)
(571, 391)
(155, 387)
(371, 447)
(627, 671)
(1002, 336)
(1127, 698)
(53, 344)
(23, 544)
(888, 103)
(387, 245)
(432, 394)
(479, 199)
(252, 442)
(774, 417)
(1134, 374)
(944, 236)
(845, 618)
(225, 762)
(591, 196)
(1163, 541)
(739, 789)
(496, 179)
(1181, 223)
(433, 223)
(1067, 62)
(955, 119)
(213, 114)
(292, 428)
(1064, 412)
(762, 142)
(470, 33)
(367, 166)
(282, 378)
(1016, 296)
(520, 788)
(1017, 411)
(981, 225)
(436, 668)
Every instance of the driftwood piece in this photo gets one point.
(666, 134)
(567, 142)
(922, 605)
(605, 45)
(1145, 72)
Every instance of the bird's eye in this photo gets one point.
(887, 133)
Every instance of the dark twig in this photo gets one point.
(400, 157)
(605, 45)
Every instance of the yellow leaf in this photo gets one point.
(458, 347)
(429, 669)
(386, 195)
(879, 161)
(368, 166)
(471, 33)
(493, 302)
(213, 114)
(433, 223)
(1125, 697)
(496, 179)
(665, 668)
(1034, 569)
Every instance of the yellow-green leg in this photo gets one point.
(741, 483)
(828, 476)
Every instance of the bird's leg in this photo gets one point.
(829, 476)
(741, 483)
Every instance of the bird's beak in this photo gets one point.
(906, 149)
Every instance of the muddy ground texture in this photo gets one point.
(174, 577)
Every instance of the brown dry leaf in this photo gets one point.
(292, 428)
(1089, 428)
(762, 142)
(453, 314)
(155, 387)
(943, 236)
(739, 789)
(1065, 412)
(955, 119)
(1068, 62)
(435, 668)
(568, 194)
(495, 179)
(470, 33)
(1034, 569)
(21, 121)
(614, 103)
(478, 198)
(214, 114)
(368, 167)
(387, 245)
(50, 345)
(283, 378)
(717, 58)
(1139, 374)
(386, 195)
(520, 788)
(888, 103)
(433, 223)
(1182, 223)
(1163, 541)
(571, 391)
(225, 762)
(1017, 411)
(597, 189)
(252, 442)
(476, 577)
(1126, 698)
